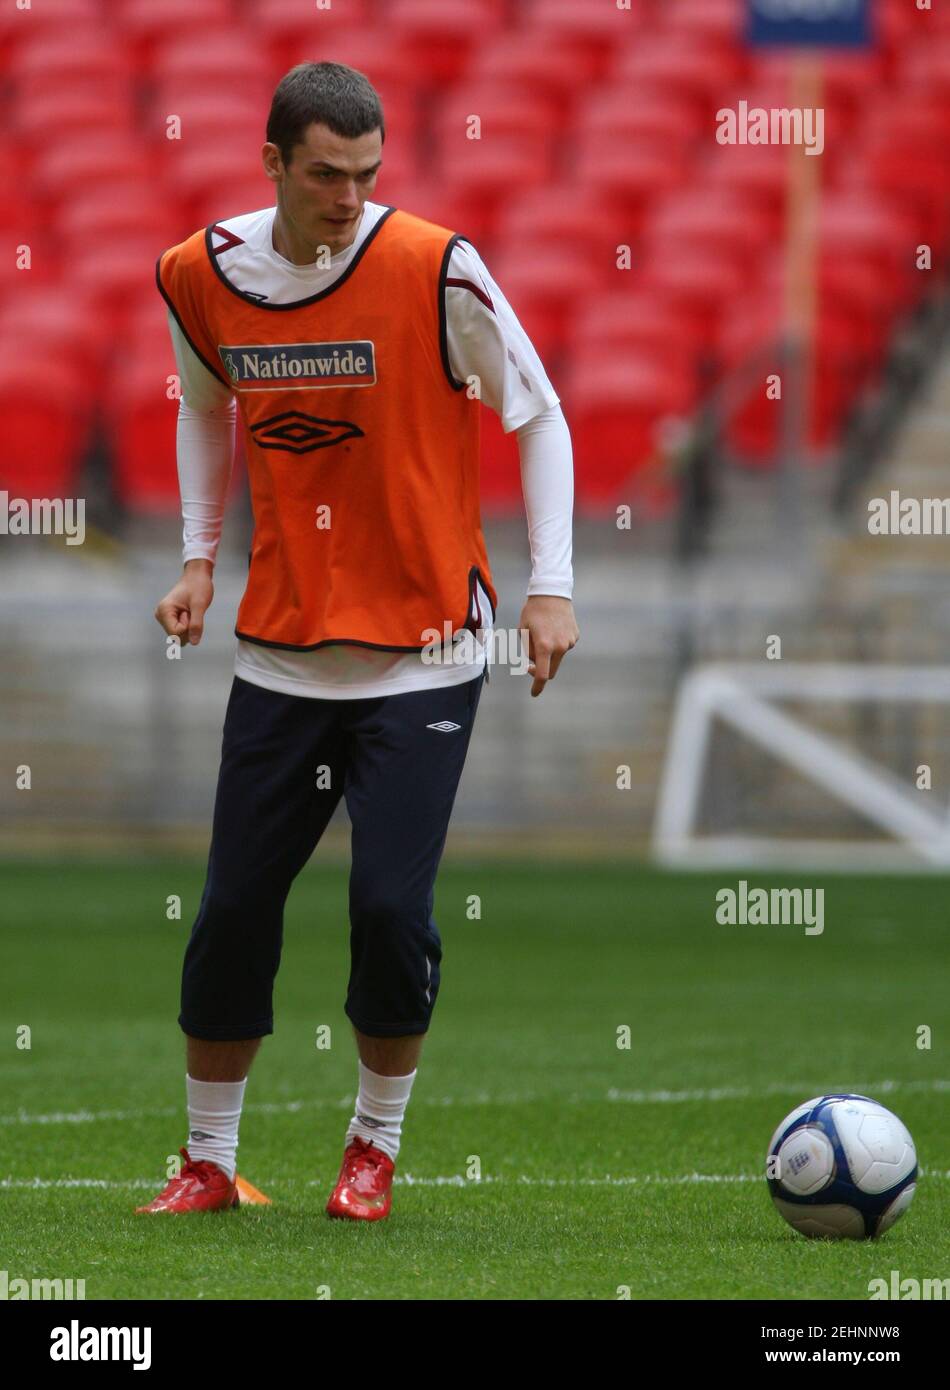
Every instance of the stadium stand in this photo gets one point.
(596, 135)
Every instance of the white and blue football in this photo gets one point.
(843, 1167)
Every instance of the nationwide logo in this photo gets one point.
(299, 366)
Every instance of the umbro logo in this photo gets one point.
(444, 726)
(295, 432)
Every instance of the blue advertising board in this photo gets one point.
(808, 23)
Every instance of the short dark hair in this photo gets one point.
(330, 93)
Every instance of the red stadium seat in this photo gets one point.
(78, 62)
(145, 21)
(372, 50)
(858, 289)
(587, 223)
(403, 119)
(196, 170)
(699, 281)
(285, 29)
(645, 119)
(500, 112)
(618, 408)
(542, 284)
(595, 30)
(17, 195)
(114, 274)
(894, 24)
(860, 226)
(42, 116)
(206, 117)
(17, 215)
(641, 322)
(926, 67)
(720, 20)
(21, 27)
(841, 366)
(33, 255)
(486, 169)
(849, 290)
(675, 66)
(757, 171)
(219, 201)
(107, 158)
(437, 37)
(919, 123)
(44, 319)
(96, 219)
(482, 172)
(431, 200)
(633, 179)
(227, 59)
(848, 81)
(46, 408)
(13, 165)
(141, 426)
(750, 334)
(202, 160)
(146, 323)
(735, 227)
(528, 61)
(500, 474)
(917, 181)
(141, 423)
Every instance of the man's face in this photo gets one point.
(326, 183)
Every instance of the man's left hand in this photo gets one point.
(552, 631)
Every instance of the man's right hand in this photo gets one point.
(182, 611)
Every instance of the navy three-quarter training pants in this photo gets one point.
(397, 760)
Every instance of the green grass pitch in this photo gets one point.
(603, 1168)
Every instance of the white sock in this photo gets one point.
(380, 1106)
(214, 1113)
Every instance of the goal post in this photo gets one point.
(743, 696)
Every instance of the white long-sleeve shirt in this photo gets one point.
(485, 341)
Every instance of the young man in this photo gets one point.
(347, 331)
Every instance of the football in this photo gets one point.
(842, 1167)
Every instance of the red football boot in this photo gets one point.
(201, 1186)
(364, 1188)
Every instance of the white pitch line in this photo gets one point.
(42, 1183)
(659, 1097)
(407, 1180)
(445, 1180)
(86, 1117)
(781, 1088)
(289, 1107)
